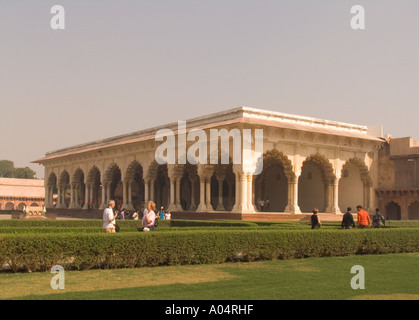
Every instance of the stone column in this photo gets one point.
(243, 191)
(104, 204)
(208, 194)
(151, 190)
(48, 197)
(172, 204)
(238, 204)
(76, 199)
(292, 206)
(72, 196)
(146, 190)
(60, 197)
(333, 196)
(130, 206)
(250, 194)
(335, 208)
(125, 194)
(371, 194)
(230, 194)
(93, 196)
(260, 193)
(220, 179)
(193, 205)
(108, 193)
(367, 197)
(177, 197)
(86, 197)
(202, 205)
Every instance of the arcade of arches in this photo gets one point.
(206, 188)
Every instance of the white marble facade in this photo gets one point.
(307, 163)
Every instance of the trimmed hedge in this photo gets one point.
(33, 252)
(210, 223)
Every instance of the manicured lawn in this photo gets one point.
(389, 276)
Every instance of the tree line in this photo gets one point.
(8, 170)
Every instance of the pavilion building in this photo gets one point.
(298, 163)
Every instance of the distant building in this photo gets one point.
(398, 185)
(17, 193)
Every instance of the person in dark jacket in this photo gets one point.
(348, 220)
(315, 221)
(378, 220)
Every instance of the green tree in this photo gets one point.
(25, 173)
(7, 169)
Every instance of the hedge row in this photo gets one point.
(98, 229)
(27, 223)
(18, 223)
(4, 224)
(127, 250)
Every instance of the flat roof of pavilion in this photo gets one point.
(243, 115)
(22, 188)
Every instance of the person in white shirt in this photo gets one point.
(109, 218)
(167, 216)
(149, 217)
(135, 215)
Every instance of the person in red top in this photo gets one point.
(364, 220)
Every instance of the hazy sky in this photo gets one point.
(123, 66)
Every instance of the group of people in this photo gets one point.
(265, 205)
(149, 219)
(363, 219)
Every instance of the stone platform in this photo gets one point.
(224, 215)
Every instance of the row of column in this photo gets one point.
(331, 196)
(244, 194)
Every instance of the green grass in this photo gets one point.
(390, 276)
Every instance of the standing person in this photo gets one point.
(378, 220)
(364, 220)
(122, 214)
(109, 218)
(315, 221)
(168, 215)
(348, 220)
(267, 205)
(149, 217)
(161, 213)
(262, 205)
(135, 215)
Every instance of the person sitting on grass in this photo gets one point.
(149, 217)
